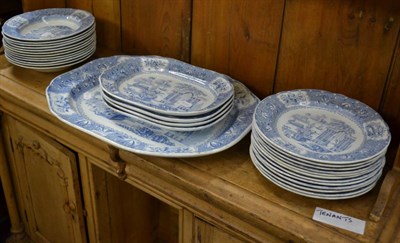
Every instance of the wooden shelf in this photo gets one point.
(224, 189)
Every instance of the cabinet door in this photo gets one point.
(46, 175)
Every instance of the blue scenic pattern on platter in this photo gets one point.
(148, 89)
(322, 126)
(166, 86)
(75, 98)
(42, 29)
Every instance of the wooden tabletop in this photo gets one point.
(227, 181)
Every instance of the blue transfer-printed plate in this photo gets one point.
(290, 185)
(321, 126)
(166, 86)
(75, 98)
(313, 170)
(204, 118)
(48, 24)
(185, 127)
(295, 173)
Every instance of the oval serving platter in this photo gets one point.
(167, 86)
(75, 98)
(176, 119)
(176, 126)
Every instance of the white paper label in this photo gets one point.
(339, 220)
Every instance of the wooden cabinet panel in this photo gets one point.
(28, 5)
(390, 106)
(108, 23)
(49, 188)
(80, 4)
(124, 213)
(341, 46)
(207, 233)
(156, 27)
(238, 38)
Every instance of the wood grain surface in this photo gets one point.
(390, 104)
(28, 5)
(156, 27)
(340, 46)
(238, 38)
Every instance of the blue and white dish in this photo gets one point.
(49, 52)
(282, 182)
(319, 144)
(204, 118)
(53, 61)
(140, 114)
(75, 98)
(167, 86)
(311, 163)
(49, 40)
(299, 167)
(321, 126)
(321, 179)
(183, 127)
(52, 44)
(52, 66)
(47, 24)
(319, 186)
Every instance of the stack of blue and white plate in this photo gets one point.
(167, 93)
(319, 144)
(49, 39)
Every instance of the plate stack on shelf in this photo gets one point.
(319, 144)
(167, 93)
(49, 40)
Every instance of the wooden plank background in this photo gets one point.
(350, 47)
(238, 38)
(155, 27)
(341, 47)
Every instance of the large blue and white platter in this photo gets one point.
(321, 126)
(47, 24)
(75, 98)
(167, 86)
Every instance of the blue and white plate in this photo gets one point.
(337, 173)
(321, 126)
(49, 40)
(75, 98)
(293, 186)
(52, 66)
(167, 86)
(47, 24)
(304, 175)
(45, 62)
(173, 126)
(204, 118)
(53, 52)
(129, 112)
(318, 185)
(58, 45)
